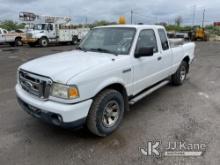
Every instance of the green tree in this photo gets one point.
(11, 25)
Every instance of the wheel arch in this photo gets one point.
(187, 60)
(120, 88)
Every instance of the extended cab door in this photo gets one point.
(165, 59)
(146, 69)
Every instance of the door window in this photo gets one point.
(163, 39)
(147, 39)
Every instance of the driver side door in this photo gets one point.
(51, 32)
(146, 69)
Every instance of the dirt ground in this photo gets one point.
(189, 113)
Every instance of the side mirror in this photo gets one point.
(144, 52)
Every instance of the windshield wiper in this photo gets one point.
(103, 51)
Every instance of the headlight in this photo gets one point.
(64, 91)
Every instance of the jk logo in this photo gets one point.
(152, 149)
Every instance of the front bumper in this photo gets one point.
(67, 115)
(29, 40)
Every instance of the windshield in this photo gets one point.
(109, 40)
(40, 27)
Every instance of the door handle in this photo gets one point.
(159, 58)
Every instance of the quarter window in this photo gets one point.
(163, 39)
(147, 39)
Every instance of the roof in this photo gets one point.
(133, 26)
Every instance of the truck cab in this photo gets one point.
(113, 67)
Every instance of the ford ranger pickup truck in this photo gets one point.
(112, 68)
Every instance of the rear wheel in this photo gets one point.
(18, 42)
(43, 42)
(74, 40)
(106, 113)
(179, 77)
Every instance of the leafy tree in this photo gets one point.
(101, 23)
(11, 25)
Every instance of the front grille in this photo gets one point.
(34, 84)
(28, 35)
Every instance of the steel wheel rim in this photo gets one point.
(111, 114)
(44, 43)
(183, 73)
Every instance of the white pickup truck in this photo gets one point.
(114, 67)
(11, 38)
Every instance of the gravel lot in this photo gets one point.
(188, 113)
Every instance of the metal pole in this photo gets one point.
(131, 16)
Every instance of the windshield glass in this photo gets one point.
(109, 40)
(40, 27)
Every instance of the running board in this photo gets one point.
(149, 91)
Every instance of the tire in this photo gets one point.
(43, 42)
(75, 40)
(106, 113)
(179, 77)
(18, 42)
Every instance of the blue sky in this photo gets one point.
(146, 11)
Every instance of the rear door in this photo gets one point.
(146, 69)
(165, 59)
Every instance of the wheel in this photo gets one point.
(74, 40)
(18, 42)
(106, 113)
(43, 42)
(179, 77)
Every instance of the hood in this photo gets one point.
(63, 66)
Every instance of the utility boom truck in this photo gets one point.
(114, 67)
(47, 29)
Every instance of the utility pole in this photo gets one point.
(203, 18)
(132, 16)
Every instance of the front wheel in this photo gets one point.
(106, 113)
(43, 42)
(179, 77)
